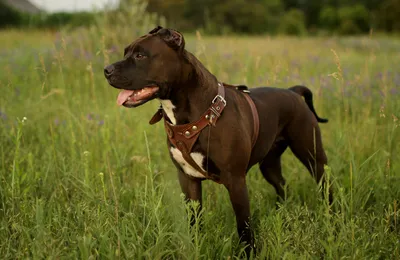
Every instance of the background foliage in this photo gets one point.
(288, 16)
(242, 16)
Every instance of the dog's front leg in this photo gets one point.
(191, 188)
(238, 194)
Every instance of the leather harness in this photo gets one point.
(183, 137)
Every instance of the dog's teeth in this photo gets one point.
(135, 94)
(129, 98)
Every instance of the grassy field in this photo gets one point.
(84, 179)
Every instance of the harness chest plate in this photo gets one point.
(183, 137)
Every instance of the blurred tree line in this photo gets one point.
(295, 17)
(280, 16)
(10, 17)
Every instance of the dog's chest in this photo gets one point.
(168, 107)
(186, 167)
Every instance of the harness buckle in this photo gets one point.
(220, 98)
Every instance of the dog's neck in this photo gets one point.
(190, 98)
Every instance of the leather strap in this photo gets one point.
(256, 119)
(157, 116)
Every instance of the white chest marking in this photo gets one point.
(168, 107)
(186, 167)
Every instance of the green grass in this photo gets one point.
(82, 178)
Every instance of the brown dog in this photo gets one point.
(213, 132)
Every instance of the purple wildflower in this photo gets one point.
(58, 122)
(325, 83)
(228, 56)
(396, 79)
(76, 53)
(367, 93)
(314, 58)
(295, 63)
(113, 49)
(394, 91)
(3, 115)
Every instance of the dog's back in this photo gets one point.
(285, 101)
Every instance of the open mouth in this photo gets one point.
(134, 98)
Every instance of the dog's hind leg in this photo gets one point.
(271, 168)
(307, 147)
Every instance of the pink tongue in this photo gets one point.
(123, 96)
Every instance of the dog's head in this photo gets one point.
(151, 65)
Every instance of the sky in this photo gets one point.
(71, 5)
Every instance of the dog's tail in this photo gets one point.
(308, 97)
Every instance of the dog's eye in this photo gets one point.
(139, 56)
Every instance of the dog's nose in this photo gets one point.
(109, 70)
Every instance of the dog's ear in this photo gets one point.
(173, 38)
(155, 30)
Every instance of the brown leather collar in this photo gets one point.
(183, 137)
